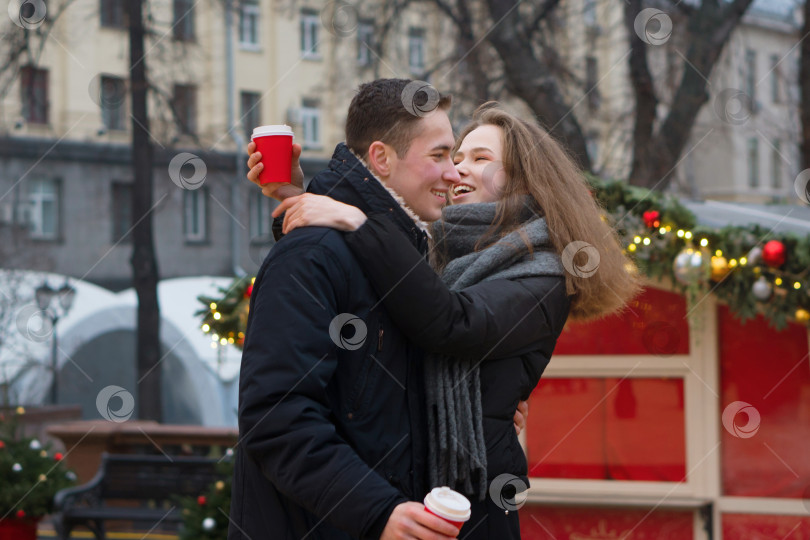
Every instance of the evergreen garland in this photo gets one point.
(654, 229)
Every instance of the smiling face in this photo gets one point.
(425, 174)
(479, 164)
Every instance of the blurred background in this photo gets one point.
(129, 235)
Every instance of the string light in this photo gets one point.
(217, 315)
(688, 235)
(662, 230)
(718, 253)
(223, 341)
(797, 285)
(206, 328)
(778, 281)
(213, 305)
(680, 233)
(646, 241)
(631, 247)
(732, 263)
(704, 242)
(743, 261)
(637, 239)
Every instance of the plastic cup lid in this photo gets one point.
(281, 129)
(448, 504)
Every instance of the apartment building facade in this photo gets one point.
(65, 125)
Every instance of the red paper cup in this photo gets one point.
(275, 144)
(451, 506)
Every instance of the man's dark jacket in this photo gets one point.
(331, 438)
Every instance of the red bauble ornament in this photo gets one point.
(652, 218)
(773, 253)
(58, 456)
(20, 514)
(249, 290)
(201, 500)
(2, 444)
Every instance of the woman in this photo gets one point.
(522, 210)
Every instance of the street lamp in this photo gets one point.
(44, 295)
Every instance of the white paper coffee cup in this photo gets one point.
(449, 505)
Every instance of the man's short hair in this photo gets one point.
(389, 110)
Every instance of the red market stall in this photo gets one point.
(669, 422)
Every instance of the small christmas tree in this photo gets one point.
(205, 517)
(30, 473)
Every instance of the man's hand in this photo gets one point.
(276, 190)
(521, 416)
(410, 521)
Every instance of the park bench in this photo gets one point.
(145, 487)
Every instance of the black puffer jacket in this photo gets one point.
(332, 439)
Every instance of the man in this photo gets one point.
(331, 414)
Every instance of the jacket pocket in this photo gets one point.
(369, 370)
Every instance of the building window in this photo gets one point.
(776, 83)
(249, 24)
(34, 90)
(121, 211)
(753, 163)
(183, 20)
(114, 13)
(591, 82)
(592, 146)
(185, 107)
(309, 33)
(195, 220)
(365, 42)
(416, 50)
(589, 14)
(43, 198)
(751, 73)
(311, 123)
(113, 93)
(250, 112)
(260, 219)
(776, 165)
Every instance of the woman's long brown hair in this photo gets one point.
(537, 165)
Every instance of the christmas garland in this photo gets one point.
(751, 269)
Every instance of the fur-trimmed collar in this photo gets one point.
(423, 225)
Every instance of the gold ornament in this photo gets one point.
(720, 268)
(220, 485)
(802, 315)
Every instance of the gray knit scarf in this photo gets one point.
(457, 451)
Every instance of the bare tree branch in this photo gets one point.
(655, 155)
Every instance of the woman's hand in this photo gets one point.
(276, 190)
(521, 416)
(310, 210)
